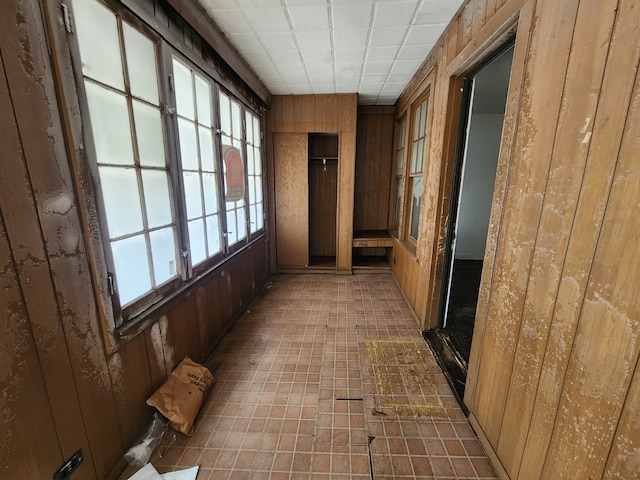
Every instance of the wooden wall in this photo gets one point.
(62, 391)
(553, 382)
(322, 114)
(374, 155)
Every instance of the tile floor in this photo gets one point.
(295, 393)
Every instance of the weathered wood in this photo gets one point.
(609, 124)
(546, 71)
(292, 194)
(509, 131)
(554, 227)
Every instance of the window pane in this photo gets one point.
(184, 90)
(193, 194)
(203, 101)
(163, 251)
(132, 268)
(416, 123)
(157, 198)
(259, 218)
(213, 234)
(252, 190)
(256, 131)
(99, 43)
(250, 161)
(225, 114)
(232, 230)
(121, 200)
(206, 150)
(110, 125)
(258, 189)
(257, 164)
(249, 128)
(141, 63)
(416, 200)
(398, 201)
(242, 222)
(210, 193)
(188, 144)
(196, 241)
(149, 133)
(236, 120)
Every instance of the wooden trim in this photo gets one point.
(501, 473)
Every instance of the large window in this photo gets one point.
(399, 173)
(416, 167)
(163, 164)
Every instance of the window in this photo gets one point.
(233, 165)
(254, 173)
(414, 185)
(399, 172)
(120, 81)
(163, 165)
(198, 160)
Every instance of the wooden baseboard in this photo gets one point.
(488, 449)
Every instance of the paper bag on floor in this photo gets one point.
(179, 399)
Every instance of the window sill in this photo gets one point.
(143, 320)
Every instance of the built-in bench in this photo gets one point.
(372, 238)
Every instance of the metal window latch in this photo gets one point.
(66, 18)
(69, 466)
(110, 286)
(169, 110)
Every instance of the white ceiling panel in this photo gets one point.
(369, 47)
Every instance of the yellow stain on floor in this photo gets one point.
(403, 383)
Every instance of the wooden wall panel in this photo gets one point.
(328, 114)
(553, 376)
(374, 158)
(80, 394)
(292, 198)
(560, 198)
(323, 196)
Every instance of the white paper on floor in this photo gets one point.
(149, 472)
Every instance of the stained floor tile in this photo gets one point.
(297, 395)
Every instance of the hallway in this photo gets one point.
(327, 376)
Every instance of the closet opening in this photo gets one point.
(323, 199)
(474, 173)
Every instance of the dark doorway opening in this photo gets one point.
(474, 173)
(323, 199)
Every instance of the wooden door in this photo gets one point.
(292, 199)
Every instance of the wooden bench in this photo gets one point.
(372, 238)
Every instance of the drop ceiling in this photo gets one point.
(369, 47)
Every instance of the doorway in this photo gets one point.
(323, 199)
(481, 124)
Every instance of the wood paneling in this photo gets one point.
(322, 114)
(323, 197)
(64, 387)
(374, 154)
(291, 166)
(553, 376)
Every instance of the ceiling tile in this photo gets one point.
(245, 41)
(348, 68)
(413, 52)
(233, 21)
(309, 17)
(277, 41)
(424, 34)
(373, 78)
(350, 38)
(314, 39)
(394, 14)
(258, 3)
(377, 67)
(437, 11)
(405, 66)
(323, 57)
(286, 57)
(296, 71)
(217, 4)
(319, 69)
(347, 78)
(387, 36)
(352, 15)
(378, 54)
(322, 80)
(347, 88)
(268, 19)
(349, 55)
(267, 70)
